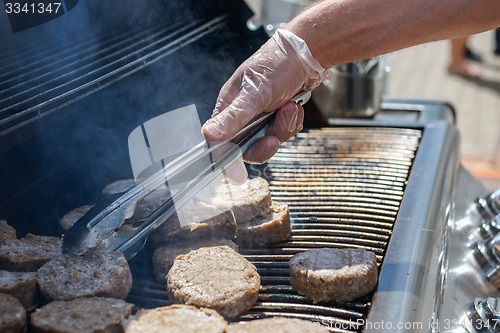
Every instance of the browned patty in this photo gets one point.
(151, 203)
(164, 256)
(82, 315)
(176, 319)
(215, 277)
(271, 228)
(329, 274)
(277, 325)
(67, 221)
(29, 253)
(21, 285)
(195, 221)
(147, 205)
(118, 186)
(246, 201)
(6, 231)
(12, 315)
(98, 272)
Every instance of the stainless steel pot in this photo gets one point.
(355, 90)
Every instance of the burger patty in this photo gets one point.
(98, 272)
(271, 228)
(82, 315)
(251, 199)
(176, 319)
(12, 315)
(277, 325)
(146, 206)
(150, 203)
(6, 231)
(118, 186)
(67, 221)
(329, 274)
(21, 285)
(164, 256)
(28, 254)
(214, 277)
(195, 221)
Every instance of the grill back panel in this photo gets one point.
(344, 186)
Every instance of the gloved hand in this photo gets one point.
(265, 82)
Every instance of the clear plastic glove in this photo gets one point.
(265, 82)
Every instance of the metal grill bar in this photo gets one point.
(63, 89)
(36, 66)
(332, 204)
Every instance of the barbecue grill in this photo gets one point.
(391, 184)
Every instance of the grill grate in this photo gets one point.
(343, 186)
(41, 84)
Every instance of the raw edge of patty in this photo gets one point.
(99, 272)
(12, 315)
(330, 274)
(21, 285)
(164, 256)
(217, 277)
(271, 228)
(277, 325)
(176, 319)
(28, 254)
(96, 314)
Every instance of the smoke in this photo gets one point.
(81, 145)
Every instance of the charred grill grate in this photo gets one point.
(344, 186)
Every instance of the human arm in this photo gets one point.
(340, 31)
(335, 32)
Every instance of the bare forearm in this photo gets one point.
(339, 31)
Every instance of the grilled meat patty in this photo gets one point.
(164, 256)
(277, 325)
(21, 285)
(67, 221)
(118, 186)
(271, 228)
(329, 274)
(98, 272)
(82, 315)
(12, 315)
(28, 254)
(6, 231)
(251, 199)
(194, 221)
(214, 277)
(176, 319)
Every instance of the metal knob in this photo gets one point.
(489, 206)
(489, 228)
(483, 315)
(487, 254)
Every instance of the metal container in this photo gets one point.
(355, 90)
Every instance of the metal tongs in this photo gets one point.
(104, 225)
